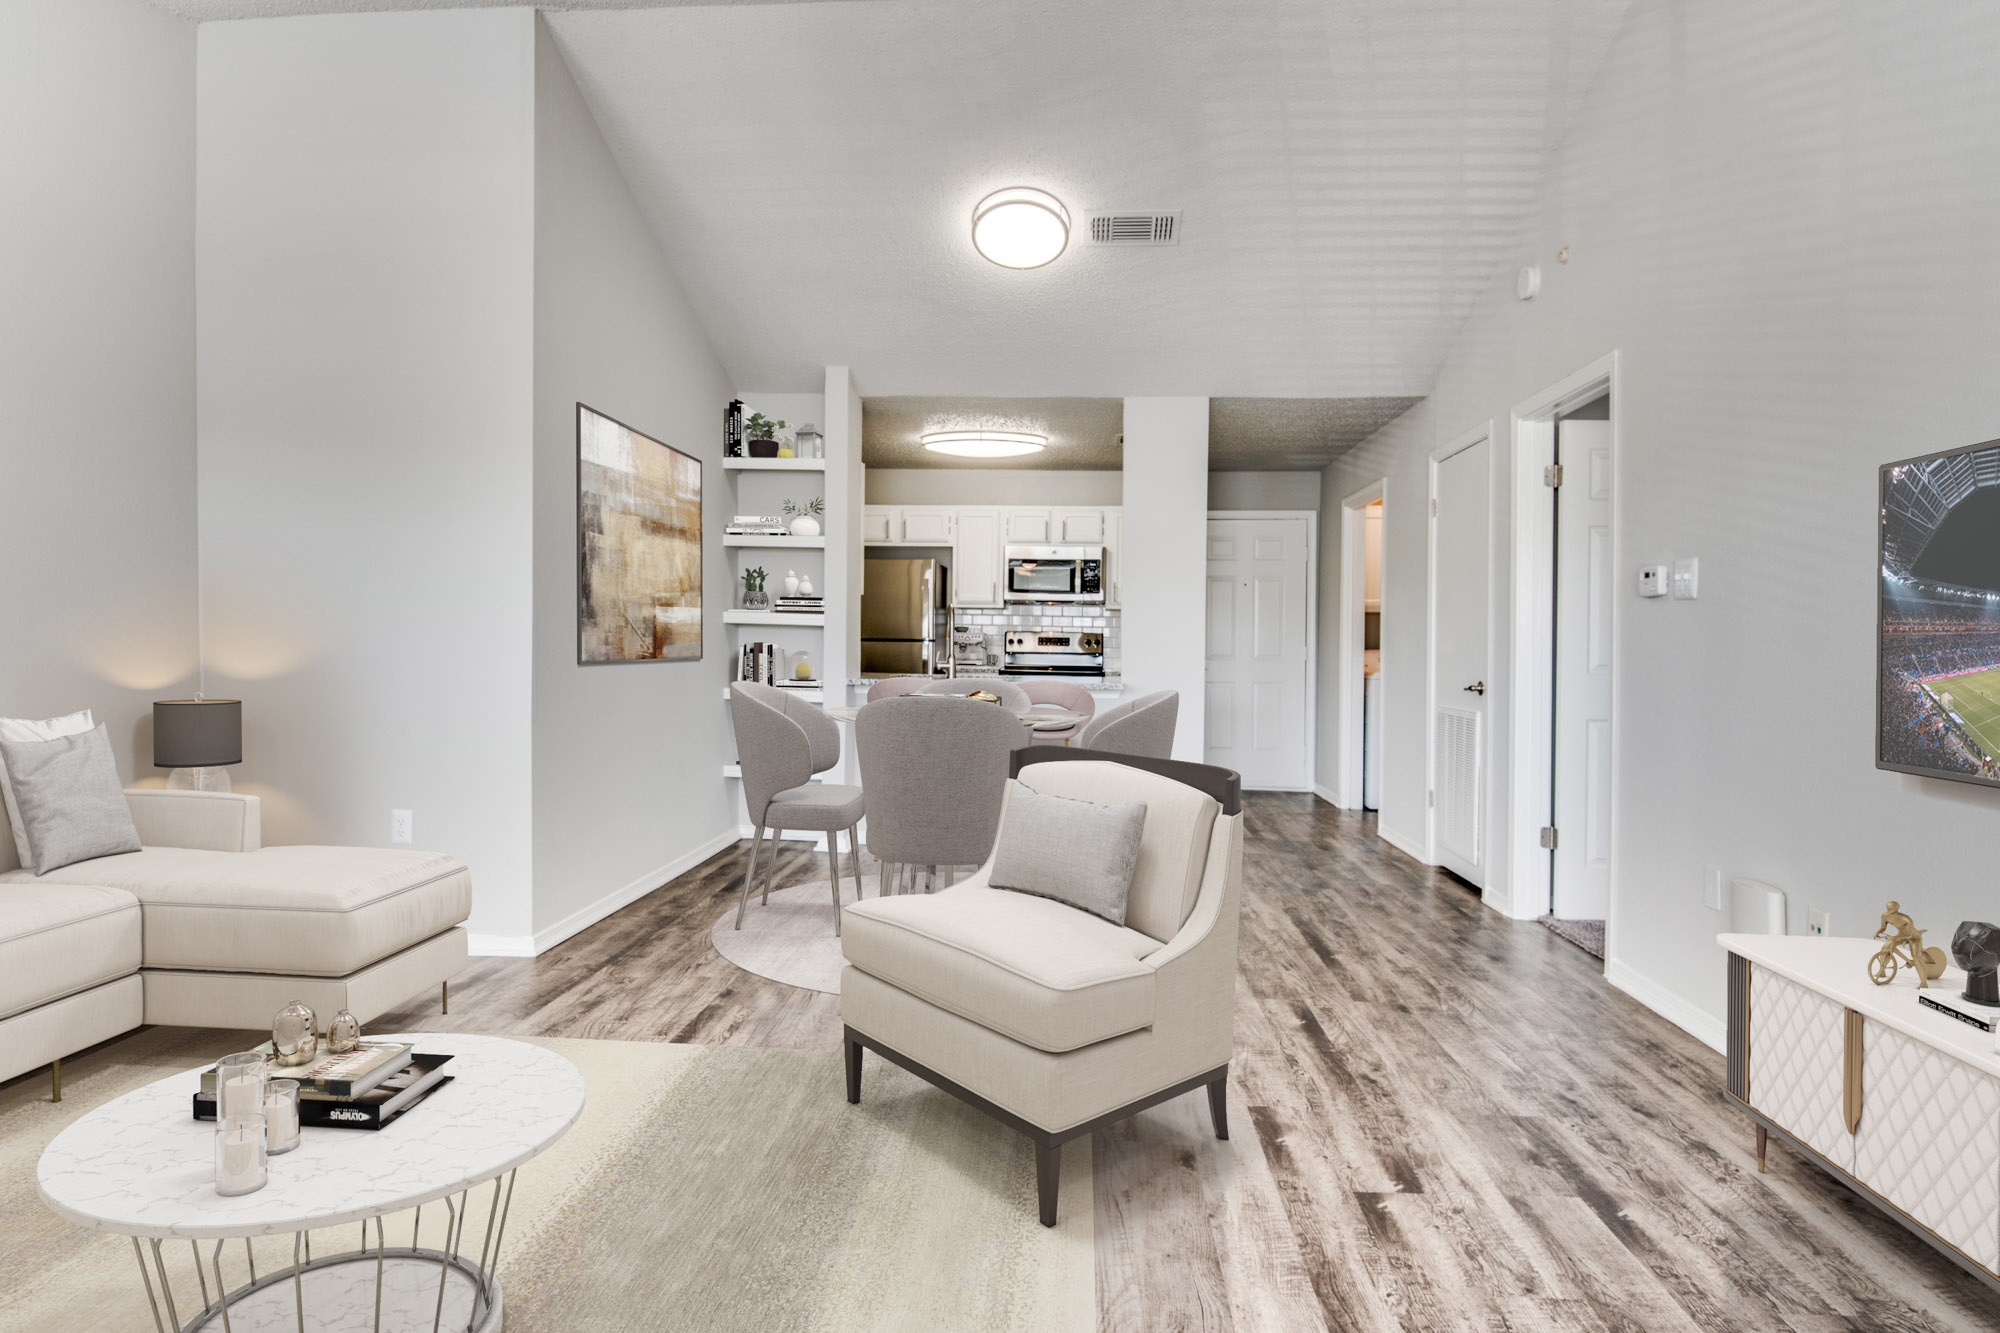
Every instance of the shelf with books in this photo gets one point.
(795, 543)
(775, 464)
(803, 619)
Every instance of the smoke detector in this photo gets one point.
(1135, 228)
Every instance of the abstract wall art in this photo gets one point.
(638, 529)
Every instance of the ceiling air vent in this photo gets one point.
(1135, 228)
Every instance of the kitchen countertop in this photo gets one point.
(1095, 684)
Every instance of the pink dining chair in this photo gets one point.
(1046, 695)
(896, 685)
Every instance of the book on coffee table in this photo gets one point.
(388, 1100)
(347, 1074)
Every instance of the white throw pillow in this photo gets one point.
(22, 729)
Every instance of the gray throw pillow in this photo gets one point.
(1077, 852)
(71, 802)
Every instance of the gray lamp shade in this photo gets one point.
(197, 733)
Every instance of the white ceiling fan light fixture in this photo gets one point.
(984, 443)
(1020, 227)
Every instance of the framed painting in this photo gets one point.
(638, 546)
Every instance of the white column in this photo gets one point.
(1165, 557)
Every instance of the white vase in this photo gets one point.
(805, 587)
(791, 583)
(805, 525)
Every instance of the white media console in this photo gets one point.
(1899, 1101)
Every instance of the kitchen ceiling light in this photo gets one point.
(1020, 227)
(984, 443)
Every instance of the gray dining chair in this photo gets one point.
(897, 686)
(1143, 726)
(935, 775)
(1012, 697)
(781, 741)
(1064, 695)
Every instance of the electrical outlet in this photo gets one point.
(1818, 921)
(1711, 889)
(402, 827)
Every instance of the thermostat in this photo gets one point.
(1653, 581)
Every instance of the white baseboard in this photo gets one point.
(529, 946)
(1408, 846)
(1704, 1027)
(1326, 794)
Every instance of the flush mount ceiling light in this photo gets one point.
(984, 443)
(1020, 227)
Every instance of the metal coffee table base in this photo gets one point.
(372, 1288)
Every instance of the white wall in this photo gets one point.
(1165, 587)
(366, 334)
(1263, 490)
(992, 486)
(628, 756)
(97, 364)
(1780, 217)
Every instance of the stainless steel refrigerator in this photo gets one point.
(900, 605)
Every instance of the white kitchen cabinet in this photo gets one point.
(877, 523)
(1028, 527)
(978, 558)
(1079, 527)
(1114, 569)
(925, 526)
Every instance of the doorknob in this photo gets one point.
(1477, 688)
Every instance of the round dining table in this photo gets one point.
(1040, 718)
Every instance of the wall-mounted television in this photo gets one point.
(1938, 620)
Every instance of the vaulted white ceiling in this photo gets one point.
(1349, 174)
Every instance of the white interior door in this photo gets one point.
(1460, 556)
(1259, 579)
(1581, 871)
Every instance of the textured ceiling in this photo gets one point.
(1244, 434)
(1350, 173)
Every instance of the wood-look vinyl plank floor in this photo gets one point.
(1441, 1119)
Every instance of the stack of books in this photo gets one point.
(365, 1088)
(758, 525)
(1969, 1012)
(760, 663)
(799, 606)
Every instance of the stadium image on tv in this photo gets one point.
(1939, 677)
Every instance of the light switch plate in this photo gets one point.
(1687, 579)
(1818, 921)
(402, 827)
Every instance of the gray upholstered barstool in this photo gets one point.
(780, 743)
(1012, 697)
(935, 774)
(1143, 726)
(1065, 695)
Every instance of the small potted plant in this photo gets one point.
(754, 596)
(805, 517)
(762, 433)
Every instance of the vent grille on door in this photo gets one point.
(1457, 768)
(1135, 229)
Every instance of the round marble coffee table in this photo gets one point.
(142, 1166)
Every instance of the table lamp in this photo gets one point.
(196, 738)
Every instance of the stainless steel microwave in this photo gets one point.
(1054, 574)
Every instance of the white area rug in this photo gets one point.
(791, 939)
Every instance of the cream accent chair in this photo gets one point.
(206, 927)
(1051, 1020)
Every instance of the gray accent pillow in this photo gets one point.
(71, 802)
(1076, 852)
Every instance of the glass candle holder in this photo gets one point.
(239, 1085)
(281, 1115)
(240, 1163)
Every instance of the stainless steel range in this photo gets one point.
(1050, 652)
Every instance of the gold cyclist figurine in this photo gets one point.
(1905, 948)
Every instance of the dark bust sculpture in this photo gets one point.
(1975, 945)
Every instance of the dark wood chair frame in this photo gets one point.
(1227, 788)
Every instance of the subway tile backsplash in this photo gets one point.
(995, 623)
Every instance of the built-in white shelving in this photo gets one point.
(736, 771)
(778, 543)
(806, 620)
(815, 696)
(775, 464)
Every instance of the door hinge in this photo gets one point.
(1552, 475)
(1548, 839)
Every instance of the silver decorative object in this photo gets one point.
(343, 1033)
(295, 1034)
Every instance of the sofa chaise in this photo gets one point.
(206, 927)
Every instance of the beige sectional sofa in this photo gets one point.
(206, 927)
